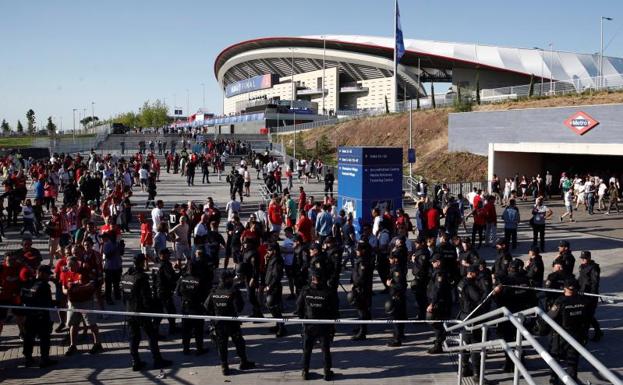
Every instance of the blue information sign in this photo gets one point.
(411, 155)
(369, 177)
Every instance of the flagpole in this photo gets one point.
(395, 61)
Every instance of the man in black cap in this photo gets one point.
(503, 260)
(571, 311)
(515, 299)
(535, 270)
(317, 301)
(37, 323)
(226, 300)
(555, 280)
(471, 295)
(192, 287)
(301, 263)
(439, 292)
(567, 260)
(164, 281)
(334, 259)
(272, 285)
(421, 275)
(249, 271)
(137, 296)
(361, 295)
(396, 305)
(589, 278)
(318, 260)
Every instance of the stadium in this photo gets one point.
(358, 72)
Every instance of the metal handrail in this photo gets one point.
(500, 315)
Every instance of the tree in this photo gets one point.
(5, 127)
(531, 88)
(85, 122)
(30, 117)
(154, 114)
(478, 88)
(51, 127)
(20, 127)
(432, 95)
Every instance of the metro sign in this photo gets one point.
(581, 123)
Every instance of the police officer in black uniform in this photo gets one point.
(137, 296)
(272, 286)
(226, 300)
(334, 259)
(250, 273)
(589, 277)
(535, 269)
(514, 299)
(439, 293)
(317, 301)
(192, 288)
(572, 312)
(471, 294)
(301, 263)
(164, 281)
(318, 260)
(503, 260)
(421, 275)
(37, 323)
(555, 280)
(396, 305)
(565, 257)
(361, 294)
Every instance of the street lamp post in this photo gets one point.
(324, 49)
(551, 67)
(601, 56)
(74, 124)
(292, 77)
(542, 64)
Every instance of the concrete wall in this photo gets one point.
(507, 164)
(473, 131)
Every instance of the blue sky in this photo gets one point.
(59, 55)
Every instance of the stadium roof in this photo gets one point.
(437, 59)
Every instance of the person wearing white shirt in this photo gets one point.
(470, 197)
(157, 215)
(601, 192)
(232, 207)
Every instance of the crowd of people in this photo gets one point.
(296, 241)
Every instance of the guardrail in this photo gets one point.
(523, 338)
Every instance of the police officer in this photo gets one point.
(272, 286)
(471, 295)
(192, 288)
(396, 306)
(555, 280)
(334, 260)
(318, 260)
(589, 277)
(164, 281)
(468, 256)
(317, 301)
(535, 270)
(250, 273)
(503, 260)
(382, 256)
(565, 257)
(421, 276)
(439, 293)
(361, 294)
(301, 263)
(37, 323)
(137, 296)
(571, 311)
(514, 299)
(226, 300)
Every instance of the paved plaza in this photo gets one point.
(363, 362)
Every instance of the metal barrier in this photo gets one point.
(524, 338)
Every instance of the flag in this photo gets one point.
(400, 44)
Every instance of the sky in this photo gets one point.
(111, 56)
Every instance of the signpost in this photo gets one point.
(370, 177)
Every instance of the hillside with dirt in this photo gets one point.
(430, 136)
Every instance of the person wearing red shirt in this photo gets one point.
(10, 273)
(302, 198)
(60, 267)
(147, 237)
(491, 220)
(432, 222)
(305, 227)
(29, 256)
(275, 215)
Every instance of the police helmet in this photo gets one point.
(389, 306)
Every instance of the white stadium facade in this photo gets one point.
(336, 73)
